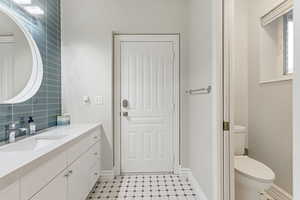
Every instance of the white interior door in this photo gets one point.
(148, 98)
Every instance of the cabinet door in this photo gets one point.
(78, 179)
(56, 189)
(10, 192)
(36, 178)
(94, 174)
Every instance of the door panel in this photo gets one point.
(147, 82)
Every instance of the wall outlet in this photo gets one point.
(99, 100)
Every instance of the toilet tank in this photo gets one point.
(239, 134)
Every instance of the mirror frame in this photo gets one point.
(35, 81)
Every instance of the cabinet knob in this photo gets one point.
(70, 172)
(96, 173)
(96, 153)
(95, 137)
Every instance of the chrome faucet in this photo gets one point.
(14, 130)
(11, 132)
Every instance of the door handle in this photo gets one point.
(125, 114)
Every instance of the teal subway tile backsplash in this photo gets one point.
(46, 104)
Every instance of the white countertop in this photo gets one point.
(11, 162)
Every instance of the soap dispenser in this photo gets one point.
(32, 126)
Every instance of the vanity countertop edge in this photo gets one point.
(12, 163)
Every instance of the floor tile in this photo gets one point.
(144, 187)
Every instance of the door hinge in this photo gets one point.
(226, 126)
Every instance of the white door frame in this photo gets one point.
(222, 179)
(296, 107)
(227, 20)
(229, 176)
(117, 39)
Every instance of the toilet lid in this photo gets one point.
(253, 169)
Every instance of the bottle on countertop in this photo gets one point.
(32, 126)
(64, 120)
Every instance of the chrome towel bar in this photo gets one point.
(199, 91)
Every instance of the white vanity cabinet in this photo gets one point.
(66, 172)
(77, 180)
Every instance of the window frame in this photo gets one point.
(286, 19)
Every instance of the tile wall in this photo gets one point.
(46, 31)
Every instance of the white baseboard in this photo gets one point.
(107, 174)
(277, 193)
(189, 174)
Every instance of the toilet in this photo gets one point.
(251, 176)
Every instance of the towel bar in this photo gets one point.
(199, 91)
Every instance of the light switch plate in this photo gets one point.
(99, 100)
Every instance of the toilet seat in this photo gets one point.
(253, 169)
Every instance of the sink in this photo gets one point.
(34, 143)
(28, 145)
(51, 136)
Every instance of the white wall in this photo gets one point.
(87, 50)
(87, 66)
(296, 93)
(197, 133)
(270, 108)
(240, 63)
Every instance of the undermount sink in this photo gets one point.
(51, 136)
(33, 144)
(28, 145)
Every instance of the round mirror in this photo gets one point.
(21, 68)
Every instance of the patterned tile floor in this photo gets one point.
(144, 187)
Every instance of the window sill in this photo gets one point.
(287, 78)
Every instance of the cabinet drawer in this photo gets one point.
(40, 173)
(95, 152)
(77, 149)
(92, 156)
(96, 135)
(10, 192)
(83, 145)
